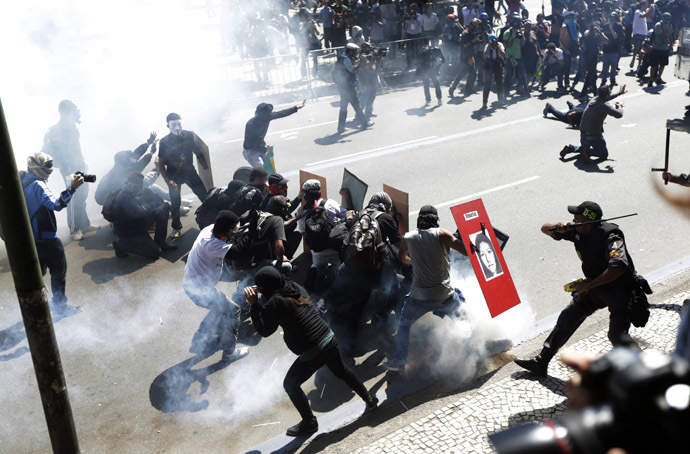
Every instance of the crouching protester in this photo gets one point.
(426, 248)
(218, 330)
(42, 204)
(286, 304)
(137, 209)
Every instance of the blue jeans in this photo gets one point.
(218, 330)
(519, 70)
(610, 66)
(596, 146)
(413, 310)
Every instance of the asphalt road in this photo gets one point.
(126, 355)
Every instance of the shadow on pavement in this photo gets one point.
(106, 269)
(11, 337)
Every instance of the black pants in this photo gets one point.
(300, 371)
(582, 306)
(191, 179)
(51, 256)
(141, 243)
(294, 239)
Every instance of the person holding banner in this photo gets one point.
(609, 282)
(254, 146)
(426, 249)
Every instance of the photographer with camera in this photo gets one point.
(469, 38)
(430, 61)
(367, 77)
(553, 66)
(494, 61)
(609, 282)
(41, 205)
(412, 31)
(514, 40)
(345, 78)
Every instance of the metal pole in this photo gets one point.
(33, 301)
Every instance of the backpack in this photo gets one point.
(206, 214)
(108, 210)
(363, 247)
(246, 240)
(242, 200)
(317, 228)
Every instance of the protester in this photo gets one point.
(217, 200)
(426, 248)
(572, 116)
(62, 143)
(345, 78)
(553, 66)
(175, 163)
(661, 46)
(430, 61)
(287, 305)
(254, 146)
(592, 141)
(136, 210)
(609, 282)
(41, 205)
(251, 195)
(218, 330)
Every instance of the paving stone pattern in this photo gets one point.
(463, 427)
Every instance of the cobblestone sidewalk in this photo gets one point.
(463, 426)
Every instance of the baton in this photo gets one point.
(577, 224)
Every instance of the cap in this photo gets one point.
(352, 46)
(666, 16)
(356, 30)
(277, 178)
(450, 16)
(590, 210)
(483, 16)
(491, 37)
(311, 185)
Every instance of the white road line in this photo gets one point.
(288, 130)
(479, 194)
(371, 151)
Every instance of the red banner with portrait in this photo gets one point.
(486, 257)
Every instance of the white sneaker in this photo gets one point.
(77, 235)
(184, 210)
(186, 203)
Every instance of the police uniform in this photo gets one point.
(602, 247)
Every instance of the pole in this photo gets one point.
(576, 224)
(33, 301)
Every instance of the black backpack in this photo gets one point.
(364, 248)
(108, 210)
(206, 214)
(317, 228)
(243, 200)
(246, 240)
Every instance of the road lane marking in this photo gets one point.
(371, 151)
(480, 193)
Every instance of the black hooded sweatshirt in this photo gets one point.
(256, 128)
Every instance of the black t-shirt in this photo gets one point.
(271, 230)
(302, 325)
(177, 151)
(612, 45)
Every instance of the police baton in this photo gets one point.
(577, 224)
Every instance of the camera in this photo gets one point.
(88, 178)
(370, 51)
(646, 408)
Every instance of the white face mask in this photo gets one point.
(175, 126)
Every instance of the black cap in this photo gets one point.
(590, 210)
(277, 178)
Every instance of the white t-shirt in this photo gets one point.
(429, 23)
(639, 25)
(335, 212)
(205, 262)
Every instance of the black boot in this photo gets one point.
(537, 365)
(342, 118)
(372, 402)
(305, 427)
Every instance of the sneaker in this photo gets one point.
(451, 93)
(536, 365)
(372, 402)
(395, 366)
(660, 81)
(651, 82)
(184, 211)
(566, 149)
(186, 203)
(176, 233)
(77, 235)
(65, 311)
(571, 106)
(303, 428)
(239, 353)
(428, 101)
(439, 102)
(546, 110)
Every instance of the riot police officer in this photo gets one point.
(609, 282)
(345, 78)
